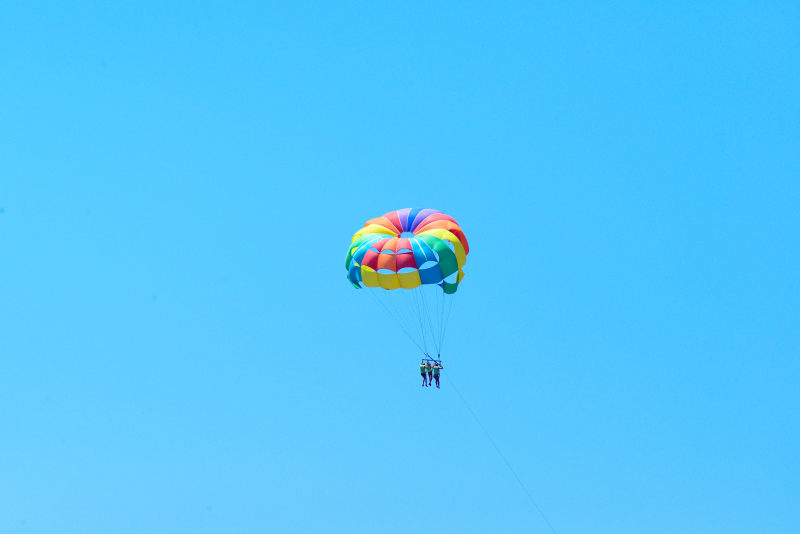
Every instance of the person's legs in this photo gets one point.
(437, 380)
(424, 380)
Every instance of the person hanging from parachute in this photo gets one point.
(410, 262)
(436, 367)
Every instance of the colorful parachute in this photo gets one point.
(411, 261)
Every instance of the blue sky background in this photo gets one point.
(181, 351)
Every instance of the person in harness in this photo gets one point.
(422, 371)
(437, 365)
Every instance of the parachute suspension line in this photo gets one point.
(417, 295)
(429, 319)
(396, 319)
(440, 303)
(422, 313)
(405, 303)
(425, 315)
(420, 299)
(446, 314)
(414, 310)
(401, 300)
(441, 319)
(433, 315)
(502, 456)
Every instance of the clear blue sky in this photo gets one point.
(181, 351)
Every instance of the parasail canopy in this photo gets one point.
(407, 248)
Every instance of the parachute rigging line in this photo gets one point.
(397, 320)
(446, 317)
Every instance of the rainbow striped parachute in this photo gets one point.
(419, 253)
